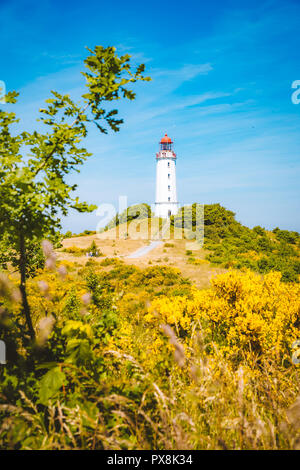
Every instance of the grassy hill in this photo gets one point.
(232, 244)
(227, 243)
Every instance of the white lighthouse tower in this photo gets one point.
(166, 195)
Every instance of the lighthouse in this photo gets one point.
(166, 194)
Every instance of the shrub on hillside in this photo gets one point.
(138, 211)
(243, 313)
(231, 244)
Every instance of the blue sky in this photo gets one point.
(222, 75)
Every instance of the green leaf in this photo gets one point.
(50, 384)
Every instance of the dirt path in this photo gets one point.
(154, 243)
(145, 249)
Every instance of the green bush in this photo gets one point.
(141, 211)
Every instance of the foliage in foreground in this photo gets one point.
(35, 190)
(139, 359)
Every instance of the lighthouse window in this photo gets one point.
(169, 175)
(169, 199)
(169, 188)
(168, 164)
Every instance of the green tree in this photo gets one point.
(93, 250)
(137, 211)
(34, 166)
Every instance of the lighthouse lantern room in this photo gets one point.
(166, 194)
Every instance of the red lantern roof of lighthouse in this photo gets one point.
(166, 140)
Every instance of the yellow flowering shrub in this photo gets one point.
(69, 265)
(163, 364)
(242, 312)
(49, 293)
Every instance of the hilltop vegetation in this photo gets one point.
(231, 244)
(228, 242)
(138, 211)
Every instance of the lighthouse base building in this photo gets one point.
(166, 203)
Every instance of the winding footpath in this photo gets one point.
(154, 244)
(145, 249)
